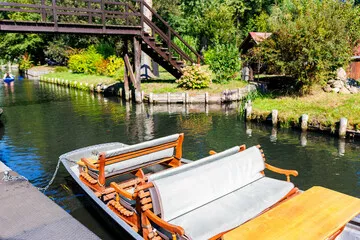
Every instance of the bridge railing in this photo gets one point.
(105, 14)
(97, 12)
(166, 34)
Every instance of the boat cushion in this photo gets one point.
(143, 145)
(137, 162)
(140, 161)
(233, 209)
(186, 167)
(194, 164)
(207, 183)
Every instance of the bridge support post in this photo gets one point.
(137, 63)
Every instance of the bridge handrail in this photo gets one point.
(171, 32)
(102, 14)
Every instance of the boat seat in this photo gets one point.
(131, 158)
(233, 209)
(207, 199)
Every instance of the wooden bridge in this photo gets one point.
(103, 17)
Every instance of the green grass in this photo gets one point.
(164, 84)
(82, 78)
(323, 108)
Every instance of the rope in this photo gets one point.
(52, 178)
(43, 189)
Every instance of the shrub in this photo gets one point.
(105, 49)
(193, 42)
(25, 62)
(61, 69)
(85, 62)
(101, 67)
(115, 64)
(194, 77)
(77, 63)
(119, 75)
(223, 60)
(92, 60)
(311, 39)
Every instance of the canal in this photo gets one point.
(42, 121)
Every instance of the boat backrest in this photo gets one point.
(185, 191)
(194, 164)
(134, 156)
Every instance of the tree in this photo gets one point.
(311, 39)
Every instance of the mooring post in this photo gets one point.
(206, 98)
(343, 127)
(274, 117)
(138, 96)
(304, 122)
(248, 110)
(126, 84)
(151, 100)
(137, 62)
(187, 98)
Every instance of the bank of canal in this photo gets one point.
(42, 121)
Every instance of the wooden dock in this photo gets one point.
(26, 213)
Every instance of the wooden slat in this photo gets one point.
(316, 214)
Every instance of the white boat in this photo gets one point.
(150, 192)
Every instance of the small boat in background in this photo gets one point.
(9, 79)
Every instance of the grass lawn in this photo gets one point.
(82, 78)
(323, 108)
(164, 84)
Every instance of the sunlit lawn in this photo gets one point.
(324, 108)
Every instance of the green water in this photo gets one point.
(42, 121)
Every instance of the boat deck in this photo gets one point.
(26, 213)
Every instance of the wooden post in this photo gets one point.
(55, 14)
(206, 97)
(248, 110)
(138, 96)
(304, 122)
(126, 74)
(126, 84)
(137, 62)
(343, 127)
(43, 12)
(239, 94)
(151, 100)
(274, 117)
(187, 98)
(168, 98)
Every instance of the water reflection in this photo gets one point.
(44, 121)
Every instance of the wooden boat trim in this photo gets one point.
(103, 206)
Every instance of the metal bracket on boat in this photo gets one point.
(8, 177)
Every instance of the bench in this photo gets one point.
(203, 201)
(130, 159)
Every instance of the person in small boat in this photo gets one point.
(8, 75)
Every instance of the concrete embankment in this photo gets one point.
(28, 214)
